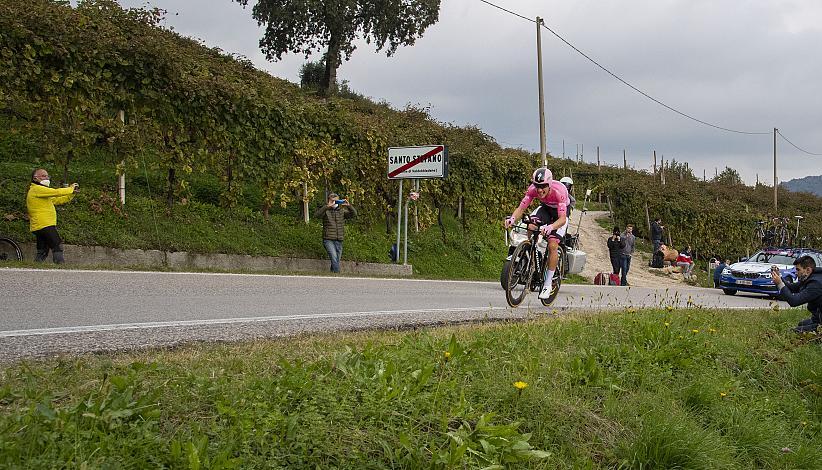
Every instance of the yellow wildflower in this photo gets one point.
(447, 355)
(519, 385)
(667, 324)
(723, 394)
(694, 331)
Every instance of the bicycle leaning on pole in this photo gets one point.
(526, 273)
(9, 250)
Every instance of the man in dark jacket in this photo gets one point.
(807, 290)
(656, 233)
(626, 252)
(614, 249)
(334, 213)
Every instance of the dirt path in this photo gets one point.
(593, 241)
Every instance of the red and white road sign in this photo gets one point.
(428, 161)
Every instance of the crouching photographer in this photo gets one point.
(806, 290)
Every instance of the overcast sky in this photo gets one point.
(744, 65)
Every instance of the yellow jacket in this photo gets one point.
(40, 202)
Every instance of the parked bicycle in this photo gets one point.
(10, 250)
(526, 272)
(775, 233)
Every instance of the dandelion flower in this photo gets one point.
(712, 330)
(669, 308)
(667, 324)
(723, 394)
(520, 385)
(694, 331)
(447, 355)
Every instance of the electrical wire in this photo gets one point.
(796, 146)
(688, 116)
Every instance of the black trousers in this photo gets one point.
(49, 239)
(615, 262)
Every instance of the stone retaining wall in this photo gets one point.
(89, 256)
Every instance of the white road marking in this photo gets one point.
(189, 273)
(224, 321)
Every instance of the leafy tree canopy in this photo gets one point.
(306, 26)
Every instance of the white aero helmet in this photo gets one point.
(566, 180)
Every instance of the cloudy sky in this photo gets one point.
(748, 66)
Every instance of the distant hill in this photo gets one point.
(808, 184)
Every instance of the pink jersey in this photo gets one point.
(557, 198)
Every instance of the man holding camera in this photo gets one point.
(656, 233)
(40, 202)
(334, 213)
(806, 290)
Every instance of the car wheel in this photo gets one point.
(729, 291)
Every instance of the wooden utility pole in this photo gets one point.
(543, 151)
(654, 164)
(121, 177)
(704, 179)
(662, 168)
(775, 181)
(624, 160)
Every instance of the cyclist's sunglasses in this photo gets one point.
(541, 185)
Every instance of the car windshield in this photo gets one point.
(772, 258)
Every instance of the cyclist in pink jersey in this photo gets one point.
(552, 213)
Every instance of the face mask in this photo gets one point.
(45, 183)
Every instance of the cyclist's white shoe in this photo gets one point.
(545, 293)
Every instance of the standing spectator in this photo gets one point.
(656, 233)
(40, 202)
(626, 251)
(614, 249)
(806, 290)
(334, 213)
(718, 271)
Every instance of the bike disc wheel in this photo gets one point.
(556, 281)
(9, 251)
(519, 274)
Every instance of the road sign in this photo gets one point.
(428, 161)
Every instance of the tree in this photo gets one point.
(728, 176)
(306, 26)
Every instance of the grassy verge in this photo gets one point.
(655, 388)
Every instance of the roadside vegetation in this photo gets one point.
(219, 156)
(661, 388)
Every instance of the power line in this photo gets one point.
(508, 11)
(796, 146)
(623, 81)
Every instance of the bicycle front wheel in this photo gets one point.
(519, 274)
(9, 251)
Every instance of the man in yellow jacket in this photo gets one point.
(40, 202)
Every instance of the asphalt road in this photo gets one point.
(46, 312)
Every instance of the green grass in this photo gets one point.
(648, 389)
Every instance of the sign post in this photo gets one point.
(421, 162)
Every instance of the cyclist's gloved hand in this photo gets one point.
(546, 230)
(509, 222)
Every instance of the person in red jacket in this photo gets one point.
(685, 261)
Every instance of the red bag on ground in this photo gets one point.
(613, 280)
(601, 279)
